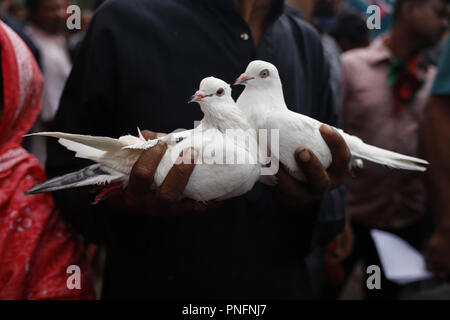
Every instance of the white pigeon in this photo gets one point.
(212, 179)
(263, 103)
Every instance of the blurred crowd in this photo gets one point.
(43, 27)
(389, 86)
(383, 102)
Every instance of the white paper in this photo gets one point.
(401, 263)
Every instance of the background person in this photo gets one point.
(349, 30)
(386, 87)
(47, 31)
(17, 26)
(435, 143)
(36, 245)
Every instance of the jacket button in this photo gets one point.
(244, 36)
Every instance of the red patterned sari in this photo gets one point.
(36, 246)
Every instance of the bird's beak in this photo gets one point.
(199, 95)
(243, 78)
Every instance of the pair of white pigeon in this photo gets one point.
(260, 106)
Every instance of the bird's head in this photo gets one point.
(219, 108)
(212, 91)
(259, 74)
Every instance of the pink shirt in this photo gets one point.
(381, 197)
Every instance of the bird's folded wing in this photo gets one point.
(170, 139)
(288, 120)
(101, 143)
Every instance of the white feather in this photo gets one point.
(263, 103)
(82, 151)
(209, 180)
(101, 143)
(391, 159)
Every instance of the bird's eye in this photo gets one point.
(264, 73)
(220, 92)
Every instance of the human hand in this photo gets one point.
(139, 197)
(320, 180)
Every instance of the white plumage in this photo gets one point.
(263, 103)
(210, 180)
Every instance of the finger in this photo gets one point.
(315, 173)
(176, 180)
(149, 135)
(143, 172)
(340, 154)
(289, 186)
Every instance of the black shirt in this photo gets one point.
(140, 62)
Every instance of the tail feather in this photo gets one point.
(100, 143)
(82, 151)
(391, 159)
(92, 175)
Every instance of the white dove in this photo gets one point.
(212, 179)
(263, 103)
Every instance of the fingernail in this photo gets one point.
(327, 128)
(304, 155)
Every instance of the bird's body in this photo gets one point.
(213, 178)
(306, 134)
(263, 103)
